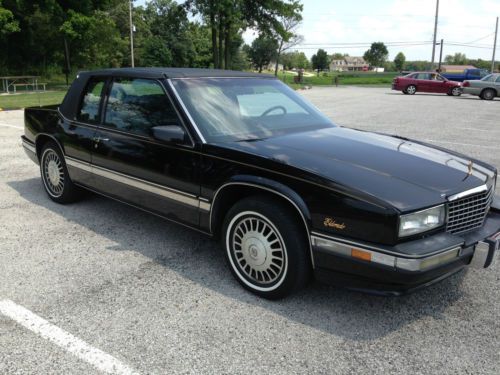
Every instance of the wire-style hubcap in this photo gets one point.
(258, 249)
(53, 173)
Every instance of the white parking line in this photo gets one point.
(11, 126)
(65, 340)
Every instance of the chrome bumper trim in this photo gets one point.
(390, 259)
(28, 146)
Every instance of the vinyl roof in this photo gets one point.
(174, 73)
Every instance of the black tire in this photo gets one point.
(404, 92)
(411, 89)
(248, 244)
(488, 94)
(55, 177)
(455, 91)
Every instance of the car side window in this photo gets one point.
(91, 101)
(137, 105)
(498, 79)
(423, 76)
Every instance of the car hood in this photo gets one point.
(403, 173)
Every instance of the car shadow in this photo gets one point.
(421, 94)
(352, 315)
(473, 97)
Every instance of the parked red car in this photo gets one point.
(426, 82)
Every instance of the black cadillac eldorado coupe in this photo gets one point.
(243, 158)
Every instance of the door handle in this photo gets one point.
(99, 139)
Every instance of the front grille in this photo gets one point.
(468, 213)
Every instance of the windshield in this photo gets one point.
(232, 109)
(489, 77)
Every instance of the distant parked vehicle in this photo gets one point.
(467, 74)
(426, 82)
(487, 88)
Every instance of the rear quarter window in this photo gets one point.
(90, 104)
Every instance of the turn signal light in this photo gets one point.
(360, 254)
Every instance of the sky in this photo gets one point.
(408, 24)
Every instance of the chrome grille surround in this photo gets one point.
(468, 212)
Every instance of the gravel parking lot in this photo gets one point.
(156, 298)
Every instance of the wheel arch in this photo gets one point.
(245, 185)
(41, 139)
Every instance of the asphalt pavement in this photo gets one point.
(98, 286)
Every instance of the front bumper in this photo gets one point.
(405, 267)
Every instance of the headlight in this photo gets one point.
(421, 221)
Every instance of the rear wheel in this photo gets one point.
(55, 177)
(266, 247)
(488, 94)
(455, 91)
(411, 89)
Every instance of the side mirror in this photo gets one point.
(170, 133)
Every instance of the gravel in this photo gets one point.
(159, 297)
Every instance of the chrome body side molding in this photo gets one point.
(150, 187)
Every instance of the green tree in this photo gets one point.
(338, 56)
(228, 18)
(399, 61)
(89, 48)
(7, 23)
(295, 59)
(377, 54)
(417, 65)
(456, 59)
(262, 51)
(287, 36)
(168, 21)
(320, 61)
(156, 53)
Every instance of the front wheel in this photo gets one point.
(411, 90)
(266, 247)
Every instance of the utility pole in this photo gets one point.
(494, 48)
(435, 33)
(131, 33)
(440, 56)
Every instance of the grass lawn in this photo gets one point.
(18, 101)
(347, 78)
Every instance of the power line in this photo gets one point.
(482, 38)
(363, 43)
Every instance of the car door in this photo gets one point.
(437, 84)
(133, 163)
(497, 85)
(79, 131)
(422, 81)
